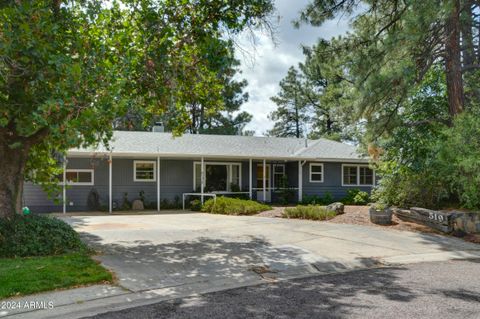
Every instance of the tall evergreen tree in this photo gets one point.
(292, 113)
(393, 45)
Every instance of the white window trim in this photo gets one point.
(358, 175)
(91, 171)
(316, 173)
(219, 163)
(275, 173)
(144, 180)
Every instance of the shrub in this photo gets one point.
(36, 235)
(196, 205)
(356, 197)
(93, 200)
(126, 205)
(233, 206)
(326, 199)
(362, 198)
(313, 212)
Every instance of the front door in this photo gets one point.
(260, 179)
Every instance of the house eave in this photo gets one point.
(75, 153)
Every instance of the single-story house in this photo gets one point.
(159, 167)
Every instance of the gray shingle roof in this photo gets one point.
(164, 144)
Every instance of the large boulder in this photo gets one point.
(336, 207)
(137, 205)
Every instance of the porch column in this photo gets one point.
(264, 180)
(300, 181)
(110, 200)
(64, 185)
(202, 179)
(158, 183)
(250, 178)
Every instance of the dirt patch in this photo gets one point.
(275, 212)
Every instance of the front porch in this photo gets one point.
(163, 179)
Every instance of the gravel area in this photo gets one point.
(358, 215)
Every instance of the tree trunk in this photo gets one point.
(12, 167)
(453, 66)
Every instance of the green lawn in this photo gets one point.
(21, 276)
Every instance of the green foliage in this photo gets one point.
(292, 111)
(233, 206)
(459, 159)
(446, 173)
(23, 276)
(36, 235)
(68, 70)
(126, 205)
(361, 198)
(285, 193)
(196, 205)
(326, 199)
(93, 200)
(355, 197)
(313, 212)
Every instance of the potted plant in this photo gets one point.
(380, 214)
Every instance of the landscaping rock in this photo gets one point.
(336, 207)
(137, 205)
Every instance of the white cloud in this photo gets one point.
(271, 62)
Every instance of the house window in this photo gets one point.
(78, 177)
(316, 173)
(278, 175)
(366, 175)
(357, 175)
(144, 171)
(219, 177)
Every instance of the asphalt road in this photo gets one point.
(427, 290)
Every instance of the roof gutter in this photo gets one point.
(213, 156)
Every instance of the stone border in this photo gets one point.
(444, 221)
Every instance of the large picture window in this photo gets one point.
(219, 177)
(316, 173)
(357, 175)
(78, 177)
(144, 171)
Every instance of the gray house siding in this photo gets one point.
(176, 178)
(332, 181)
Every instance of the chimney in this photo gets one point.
(158, 127)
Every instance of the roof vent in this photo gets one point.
(158, 127)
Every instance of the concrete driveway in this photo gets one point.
(181, 251)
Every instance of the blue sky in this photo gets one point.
(266, 63)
